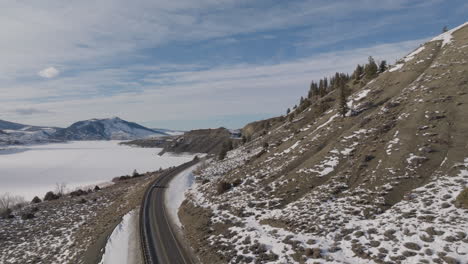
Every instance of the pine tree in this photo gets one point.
(342, 104)
(288, 111)
(371, 69)
(383, 66)
(358, 72)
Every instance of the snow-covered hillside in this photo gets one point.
(382, 184)
(18, 134)
(105, 129)
(93, 129)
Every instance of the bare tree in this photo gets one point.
(5, 201)
(8, 201)
(60, 188)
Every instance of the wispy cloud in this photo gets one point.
(192, 91)
(30, 111)
(169, 60)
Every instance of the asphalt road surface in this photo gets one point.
(159, 241)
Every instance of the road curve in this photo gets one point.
(158, 239)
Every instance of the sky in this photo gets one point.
(186, 64)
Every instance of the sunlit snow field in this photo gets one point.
(34, 170)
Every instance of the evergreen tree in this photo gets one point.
(342, 96)
(383, 66)
(358, 72)
(371, 69)
(288, 111)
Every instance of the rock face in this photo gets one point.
(365, 187)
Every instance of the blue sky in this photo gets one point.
(191, 64)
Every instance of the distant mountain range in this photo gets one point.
(93, 129)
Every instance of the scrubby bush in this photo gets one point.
(51, 196)
(36, 200)
(96, 188)
(236, 182)
(26, 216)
(227, 146)
(223, 187)
(8, 201)
(78, 192)
(462, 199)
(60, 188)
(5, 213)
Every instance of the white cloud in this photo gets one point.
(100, 43)
(95, 32)
(49, 72)
(186, 92)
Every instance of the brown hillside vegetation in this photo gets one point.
(376, 186)
(195, 141)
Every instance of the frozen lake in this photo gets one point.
(35, 170)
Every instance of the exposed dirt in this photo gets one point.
(196, 141)
(357, 188)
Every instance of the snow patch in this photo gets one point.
(175, 193)
(396, 67)
(122, 244)
(447, 37)
(411, 56)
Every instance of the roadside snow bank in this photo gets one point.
(175, 193)
(122, 244)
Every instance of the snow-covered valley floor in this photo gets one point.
(34, 170)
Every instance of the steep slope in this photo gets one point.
(377, 186)
(104, 129)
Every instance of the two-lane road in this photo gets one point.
(159, 241)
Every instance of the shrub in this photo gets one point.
(36, 200)
(96, 188)
(313, 253)
(236, 182)
(26, 216)
(78, 192)
(462, 199)
(6, 213)
(51, 196)
(223, 186)
(8, 201)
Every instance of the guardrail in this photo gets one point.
(147, 244)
